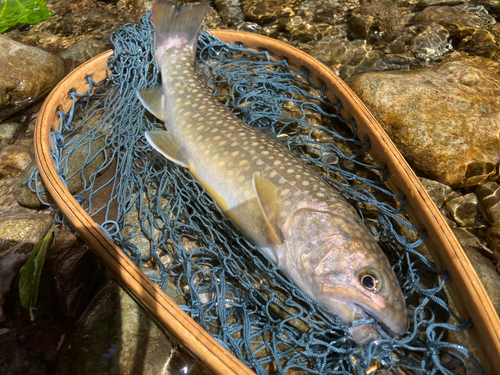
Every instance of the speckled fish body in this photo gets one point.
(290, 212)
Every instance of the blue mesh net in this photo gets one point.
(232, 291)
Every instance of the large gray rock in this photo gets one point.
(444, 119)
(26, 74)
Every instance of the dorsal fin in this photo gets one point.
(153, 100)
(266, 196)
(167, 144)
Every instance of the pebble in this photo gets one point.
(8, 129)
(463, 209)
(489, 201)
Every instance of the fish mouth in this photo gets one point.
(391, 320)
(394, 330)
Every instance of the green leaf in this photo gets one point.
(13, 12)
(32, 271)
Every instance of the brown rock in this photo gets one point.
(438, 192)
(489, 201)
(483, 266)
(463, 209)
(262, 11)
(115, 336)
(83, 50)
(26, 74)
(15, 158)
(444, 119)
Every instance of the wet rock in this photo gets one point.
(316, 19)
(230, 11)
(489, 201)
(83, 50)
(463, 209)
(75, 271)
(15, 158)
(79, 154)
(483, 267)
(461, 21)
(26, 75)
(8, 129)
(443, 119)
(493, 239)
(263, 11)
(326, 11)
(18, 236)
(482, 43)
(431, 42)
(438, 192)
(213, 20)
(114, 336)
(377, 20)
(24, 229)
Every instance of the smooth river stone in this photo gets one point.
(26, 74)
(444, 119)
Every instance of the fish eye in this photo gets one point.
(369, 281)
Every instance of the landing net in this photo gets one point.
(171, 228)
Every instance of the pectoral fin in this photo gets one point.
(167, 144)
(266, 195)
(152, 99)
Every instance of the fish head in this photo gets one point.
(336, 260)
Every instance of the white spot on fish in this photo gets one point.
(284, 192)
(305, 183)
(273, 174)
(243, 162)
(235, 153)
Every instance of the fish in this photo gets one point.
(289, 211)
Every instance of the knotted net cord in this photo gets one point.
(231, 290)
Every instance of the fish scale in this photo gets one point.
(292, 214)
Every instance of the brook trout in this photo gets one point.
(295, 217)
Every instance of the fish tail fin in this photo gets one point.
(176, 25)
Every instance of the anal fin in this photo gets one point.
(166, 143)
(153, 100)
(265, 191)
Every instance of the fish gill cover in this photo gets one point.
(231, 290)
